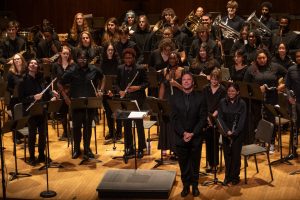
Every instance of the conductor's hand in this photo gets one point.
(187, 136)
(38, 96)
(133, 88)
(109, 93)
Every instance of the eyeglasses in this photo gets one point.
(82, 59)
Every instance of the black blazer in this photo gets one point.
(191, 120)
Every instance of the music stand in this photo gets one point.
(130, 107)
(110, 81)
(280, 113)
(52, 107)
(38, 109)
(86, 103)
(200, 82)
(115, 106)
(216, 125)
(13, 126)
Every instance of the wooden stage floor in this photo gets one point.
(80, 181)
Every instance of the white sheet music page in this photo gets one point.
(137, 115)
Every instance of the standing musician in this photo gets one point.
(266, 17)
(111, 33)
(109, 66)
(213, 93)
(65, 62)
(82, 79)
(130, 22)
(232, 114)
(266, 74)
(79, 24)
(292, 82)
(135, 91)
(166, 16)
(189, 113)
(30, 90)
(12, 44)
(238, 69)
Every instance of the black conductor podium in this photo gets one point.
(86, 103)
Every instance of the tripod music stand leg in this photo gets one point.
(2, 166)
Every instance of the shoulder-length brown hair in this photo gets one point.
(74, 29)
(13, 68)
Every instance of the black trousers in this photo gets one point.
(189, 157)
(212, 146)
(36, 125)
(128, 135)
(232, 156)
(82, 118)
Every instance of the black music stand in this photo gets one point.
(280, 113)
(115, 106)
(15, 125)
(130, 106)
(200, 82)
(215, 181)
(38, 109)
(52, 107)
(86, 103)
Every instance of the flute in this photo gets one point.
(95, 90)
(129, 84)
(41, 93)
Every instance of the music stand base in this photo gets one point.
(163, 162)
(281, 160)
(52, 165)
(16, 175)
(107, 142)
(48, 194)
(88, 160)
(295, 172)
(215, 181)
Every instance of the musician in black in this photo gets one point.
(266, 17)
(292, 82)
(135, 91)
(48, 47)
(80, 79)
(12, 44)
(189, 113)
(213, 93)
(232, 114)
(29, 91)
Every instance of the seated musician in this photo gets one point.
(79, 25)
(30, 90)
(84, 78)
(134, 91)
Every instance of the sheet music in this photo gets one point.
(136, 115)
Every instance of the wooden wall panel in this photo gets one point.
(61, 12)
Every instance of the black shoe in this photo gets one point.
(19, 141)
(226, 181)
(76, 154)
(42, 159)
(118, 136)
(129, 152)
(32, 161)
(63, 138)
(185, 191)
(109, 136)
(140, 154)
(235, 181)
(195, 191)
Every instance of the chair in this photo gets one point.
(263, 134)
(18, 114)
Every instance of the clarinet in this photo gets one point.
(294, 120)
(234, 125)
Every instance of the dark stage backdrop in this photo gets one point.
(61, 12)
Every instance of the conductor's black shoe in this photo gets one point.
(76, 154)
(129, 152)
(140, 154)
(195, 191)
(185, 191)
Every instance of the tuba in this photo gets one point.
(191, 22)
(255, 23)
(227, 31)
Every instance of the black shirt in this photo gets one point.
(292, 80)
(213, 100)
(9, 48)
(237, 75)
(80, 78)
